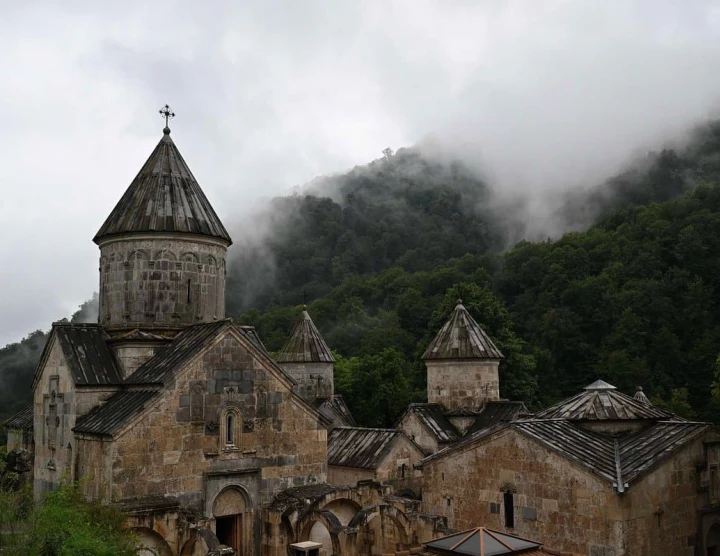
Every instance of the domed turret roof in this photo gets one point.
(164, 197)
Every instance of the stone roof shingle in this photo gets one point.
(360, 447)
(22, 420)
(462, 338)
(305, 345)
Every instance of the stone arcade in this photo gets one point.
(183, 419)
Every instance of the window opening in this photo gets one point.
(509, 510)
(230, 429)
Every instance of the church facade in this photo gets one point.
(184, 420)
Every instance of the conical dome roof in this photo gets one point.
(164, 197)
(305, 345)
(462, 338)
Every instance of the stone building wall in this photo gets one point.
(131, 355)
(661, 510)
(57, 403)
(460, 384)
(342, 476)
(171, 280)
(564, 505)
(412, 426)
(314, 380)
(177, 447)
(398, 462)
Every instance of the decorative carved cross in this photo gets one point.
(166, 113)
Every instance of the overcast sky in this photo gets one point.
(270, 94)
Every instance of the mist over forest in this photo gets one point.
(616, 280)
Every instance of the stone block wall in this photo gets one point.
(555, 501)
(460, 383)
(342, 476)
(415, 430)
(314, 380)
(170, 280)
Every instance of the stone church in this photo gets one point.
(183, 419)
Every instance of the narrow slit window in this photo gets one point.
(230, 429)
(509, 510)
(188, 291)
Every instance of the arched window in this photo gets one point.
(230, 423)
(230, 429)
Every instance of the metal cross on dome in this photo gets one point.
(166, 113)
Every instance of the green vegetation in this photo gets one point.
(64, 524)
(381, 251)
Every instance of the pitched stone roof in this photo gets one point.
(360, 447)
(619, 460)
(305, 345)
(107, 418)
(462, 338)
(481, 541)
(335, 409)
(22, 420)
(601, 401)
(432, 416)
(495, 412)
(164, 197)
(90, 360)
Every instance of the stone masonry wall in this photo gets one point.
(133, 354)
(342, 476)
(661, 510)
(180, 439)
(403, 453)
(461, 384)
(171, 281)
(412, 426)
(555, 501)
(57, 405)
(314, 380)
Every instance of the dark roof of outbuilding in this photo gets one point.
(164, 197)
(360, 447)
(462, 338)
(22, 420)
(161, 368)
(107, 418)
(601, 401)
(305, 345)
(90, 359)
(496, 412)
(432, 416)
(481, 541)
(620, 460)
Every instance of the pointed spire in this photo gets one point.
(164, 197)
(462, 338)
(641, 397)
(305, 345)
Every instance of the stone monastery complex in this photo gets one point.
(211, 446)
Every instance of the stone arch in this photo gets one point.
(210, 261)
(165, 255)
(139, 255)
(407, 493)
(344, 509)
(321, 525)
(230, 413)
(378, 519)
(150, 542)
(231, 500)
(712, 539)
(189, 257)
(117, 257)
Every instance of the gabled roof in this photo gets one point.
(360, 447)
(107, 418)
(90, 360)
(164, 197)
(22, 420)
(335, 409)
(621, 461)
(432, 416)
(496, 412)
(161, 368)
(462, 338)
(600, 402)
(305, 345)
(481, 541)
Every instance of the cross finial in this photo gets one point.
(166, 113)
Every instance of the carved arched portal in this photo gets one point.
(231, 522)
(150, 543)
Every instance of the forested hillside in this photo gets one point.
(381, 254)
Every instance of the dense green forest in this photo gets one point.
(382, 252)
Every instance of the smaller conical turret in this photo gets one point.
(307, 358)
(462, 364)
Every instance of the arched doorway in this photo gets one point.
(712, 541)
(229, 510)
(150, 543)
